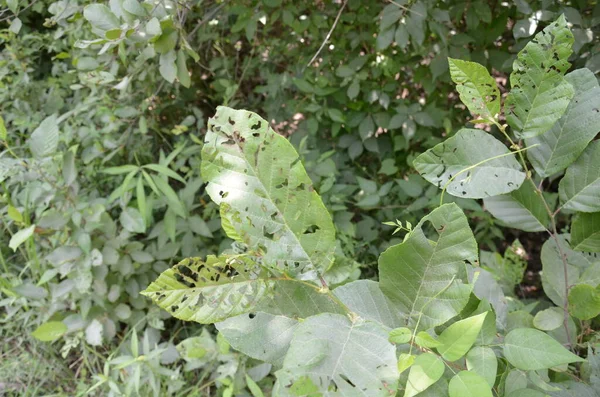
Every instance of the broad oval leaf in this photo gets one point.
(330, 349)
(50, 331)
(272, 204)
(539, 93)
(549, 319)
(522, 209)
(262, 336)
(457, 339)
(426, 370)
(464, 163)
(526, 393)
(530, 349)
(20, 237)
(425, 279)
(558, 147)
(585, 232)
(477, 89)
(579, 190)
(365, 298)
(226, 286)
(469, 384)
(44, 139)
(483, 361)
(101, 17)
(584, 302)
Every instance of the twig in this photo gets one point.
(337, 18)
(406, 8)
(207, 18)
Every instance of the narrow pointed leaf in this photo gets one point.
(468, 152)
(425, 279)
(569, 136)
(539, 93)
(329, 349)
(521, 209)
(585, 232)
(272, 203)
(579, 190)
(529, 349)
(477, 89)
(426, 370)
(457, 339)
(222, 287)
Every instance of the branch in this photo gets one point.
(337, 18)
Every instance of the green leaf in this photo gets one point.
(263, 336)
(161, 169)
(330, 349)
(424, 279)
(529, 349)
(477, 89)
(584, 302)
(569, 136)
(579, 190)
(553, 272)
(134, 7)
(3, 133)
(271, 201)
(457, 339)
(166, 42)
(44, 140)
(400, 335)
(469, 384)
(50, 331)
(549, 319)
(167, 66)
(539, 93)
(254, 389)
(585, 232)
(365, 298)
(140, 194)
(483, 361)
(101, 17)
(222, 287)
(132, 220)
(183, 74)
(426, 370)
(20, 237)
(423, 339)
(526, 393)
(522, 209)
(122, 169)
(172, 198)
(405, 361)
(463, 160)
(153, 27)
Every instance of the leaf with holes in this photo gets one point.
(477, 89)
(521, 209)
(539, 92)
(563, 143)
(425, 279)
(585, 232)
(226, 286)
(579, 190)
(272, 204)
(530, 349)
(472, 164)
(329, 350)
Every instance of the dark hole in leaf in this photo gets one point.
(251, 315)
(256, 126)
(231, 121)
(311, 229)
(228, 142)
(174, 308)
(267, 234)
(345, 378)
(256, 134)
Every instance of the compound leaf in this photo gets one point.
(272, 204)
(558, 147)
(464, 163)
(226, 286)
(530, 349)
(579, 190)
(330, 349)
(539, 93)
(477, 89)
(424, 278)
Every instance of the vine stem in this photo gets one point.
(337, 18)
(553, 232)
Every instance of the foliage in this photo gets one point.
(102, 125)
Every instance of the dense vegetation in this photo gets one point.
(107, 150)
